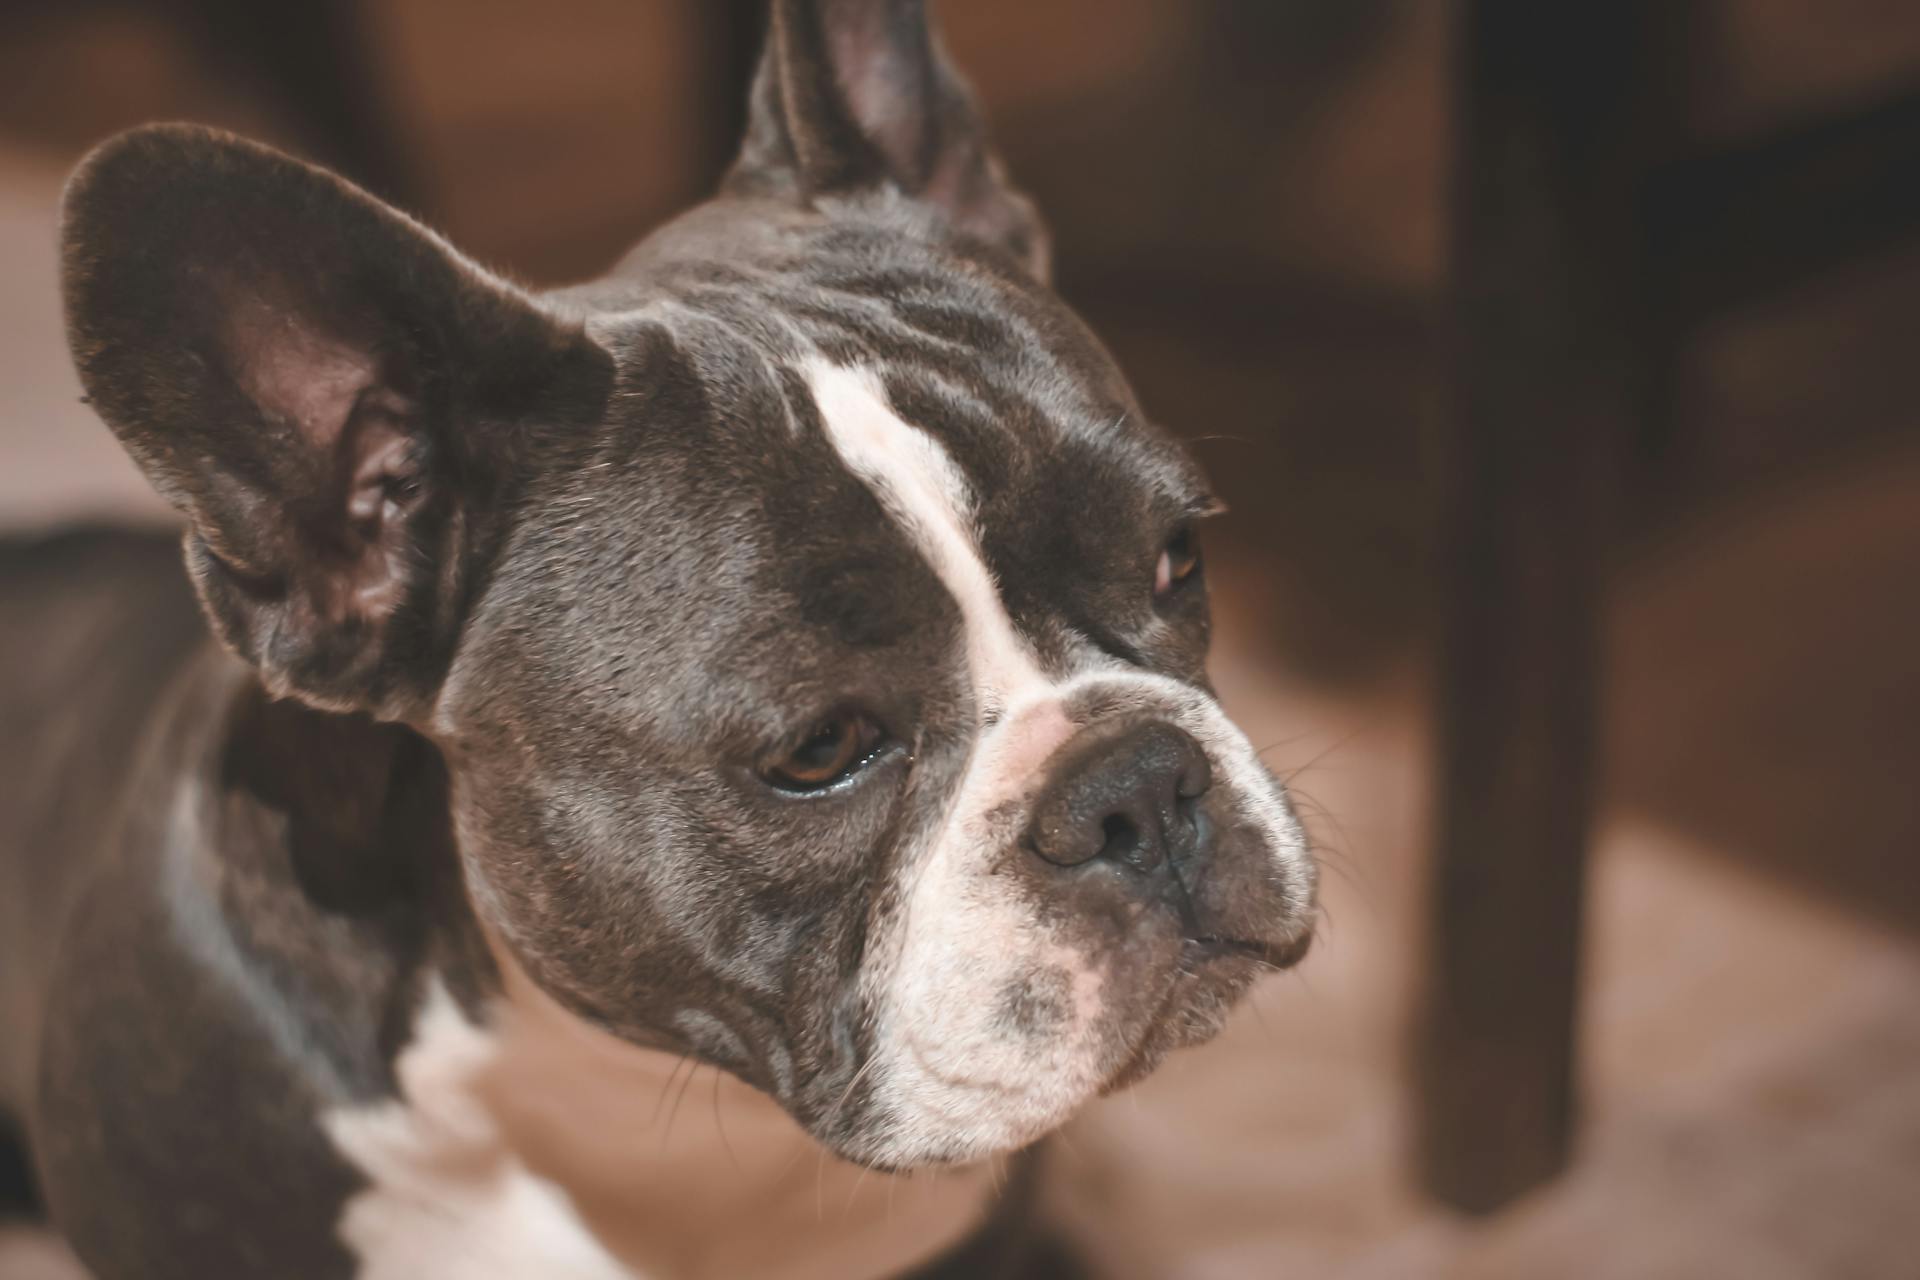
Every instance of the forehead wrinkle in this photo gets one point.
(921, 489)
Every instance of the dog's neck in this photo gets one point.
(636, 1162)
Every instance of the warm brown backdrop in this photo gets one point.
(1248, 202)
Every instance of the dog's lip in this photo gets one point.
(1283, 954)
(1223, 963)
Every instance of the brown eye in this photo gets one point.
(834, 749)
(1178, 560)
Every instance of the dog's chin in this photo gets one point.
(1212, 977)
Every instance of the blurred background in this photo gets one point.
(1558, 365)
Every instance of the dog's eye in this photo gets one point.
(834, 750)
(1178, 559)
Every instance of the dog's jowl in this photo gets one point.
(680, 752)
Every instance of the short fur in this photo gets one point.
(516, 595)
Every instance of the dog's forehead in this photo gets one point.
(1062, 470)
(970, 347)
(712, 524)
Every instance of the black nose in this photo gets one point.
(1123, 793)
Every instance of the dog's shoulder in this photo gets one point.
(245, 955)
(93, 623)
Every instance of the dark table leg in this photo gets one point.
(732, 34)
(318, 57)
(1544, 376)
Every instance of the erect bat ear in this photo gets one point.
(325, 389)
(857, 94)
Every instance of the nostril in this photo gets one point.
(1126, 793)
(1122, 837)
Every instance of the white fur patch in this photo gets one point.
(449, 1197)
(921, 489)
(955, 1082)
(540, 1146)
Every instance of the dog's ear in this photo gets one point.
(855, 94)
(327, 391)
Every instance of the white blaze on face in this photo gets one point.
(918, 484)
(956, 1082)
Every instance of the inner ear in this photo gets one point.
(338, 394)
(355, 447)
(881, 59)
(325, 389)
(282, 358)
(854, 94)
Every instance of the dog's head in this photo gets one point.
(811, 623)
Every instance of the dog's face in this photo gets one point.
(844, 718)
(812, 625)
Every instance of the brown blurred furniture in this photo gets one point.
(314, 58)
(318, 58)
(1585, 247)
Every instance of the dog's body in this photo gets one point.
(757, 660)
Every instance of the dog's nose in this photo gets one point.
(1123, 793)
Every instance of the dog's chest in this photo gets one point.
(538, 1146)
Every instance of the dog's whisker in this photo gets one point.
(819, 1184)
(678, 1098)
(833, 1113)
(660, 1103)
(853, 1192)
(719, 1124)
(1332, 856)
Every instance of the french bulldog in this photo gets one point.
(781, 658)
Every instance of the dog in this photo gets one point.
(782, 657)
